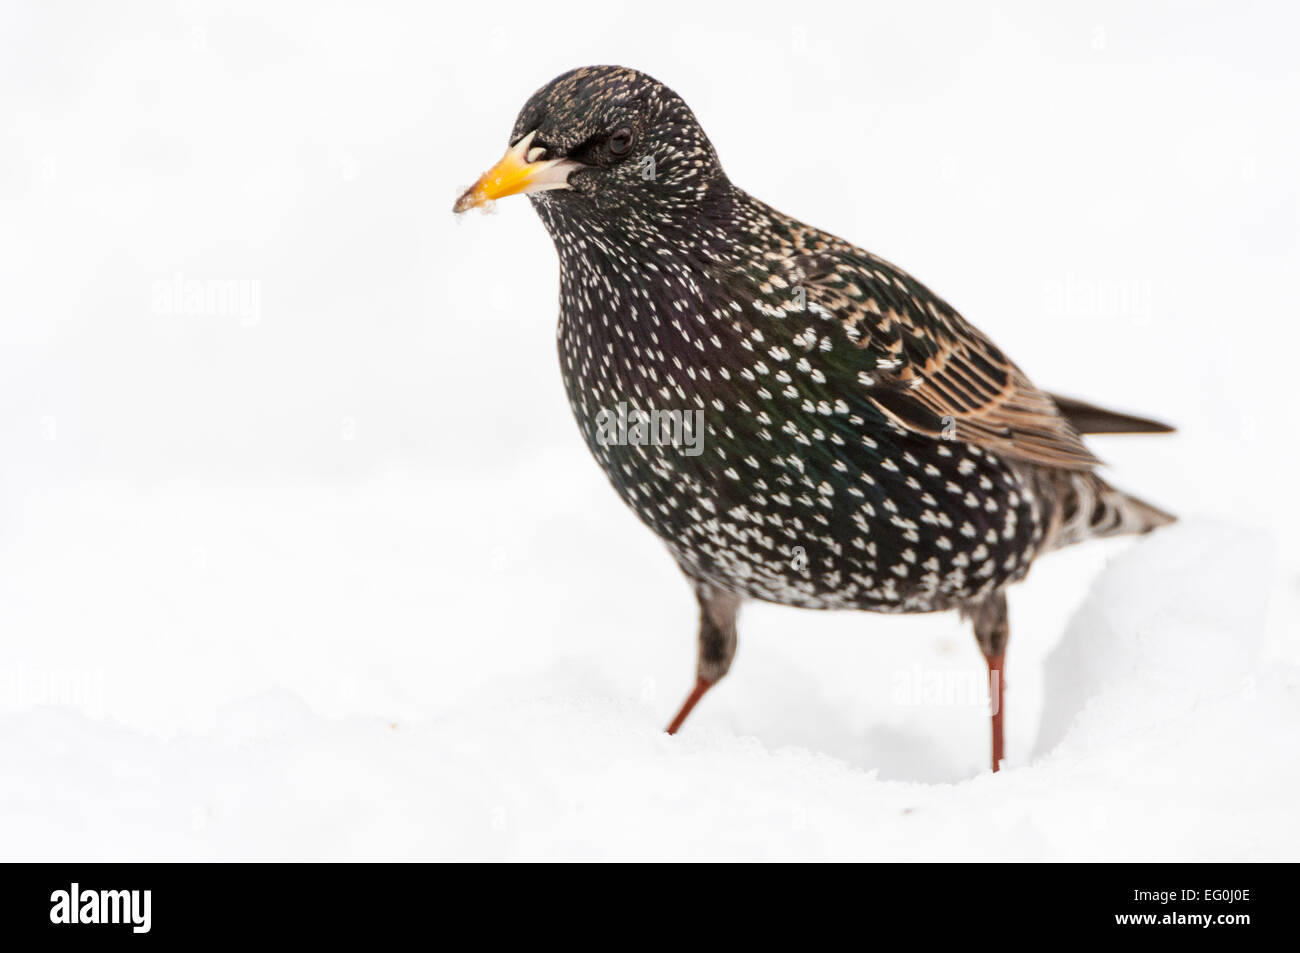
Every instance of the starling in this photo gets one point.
(800, 421)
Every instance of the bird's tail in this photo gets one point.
(1089, 418)
(1091, 508)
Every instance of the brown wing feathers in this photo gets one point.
(933, 371)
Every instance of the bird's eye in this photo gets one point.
(620, 143)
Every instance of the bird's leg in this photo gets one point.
(701, 686)
(997, 699)
(718, 611)
(992, 629)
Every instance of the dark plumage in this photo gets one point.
(863, 446)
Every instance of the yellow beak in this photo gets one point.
(517, 173)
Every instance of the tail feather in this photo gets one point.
(1092, 509)
(1089, 418)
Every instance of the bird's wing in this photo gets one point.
(926, 368)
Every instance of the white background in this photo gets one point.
(332, 575)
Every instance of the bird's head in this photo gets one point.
(603, 142)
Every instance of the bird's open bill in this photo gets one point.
(520, 170)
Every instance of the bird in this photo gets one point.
(800, 421)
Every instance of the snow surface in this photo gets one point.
(333, 576)
(1162, 732)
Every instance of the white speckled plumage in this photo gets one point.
(864, 446)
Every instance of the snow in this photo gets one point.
(300, 579)
(388, 736)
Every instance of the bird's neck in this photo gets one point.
(674, 258)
